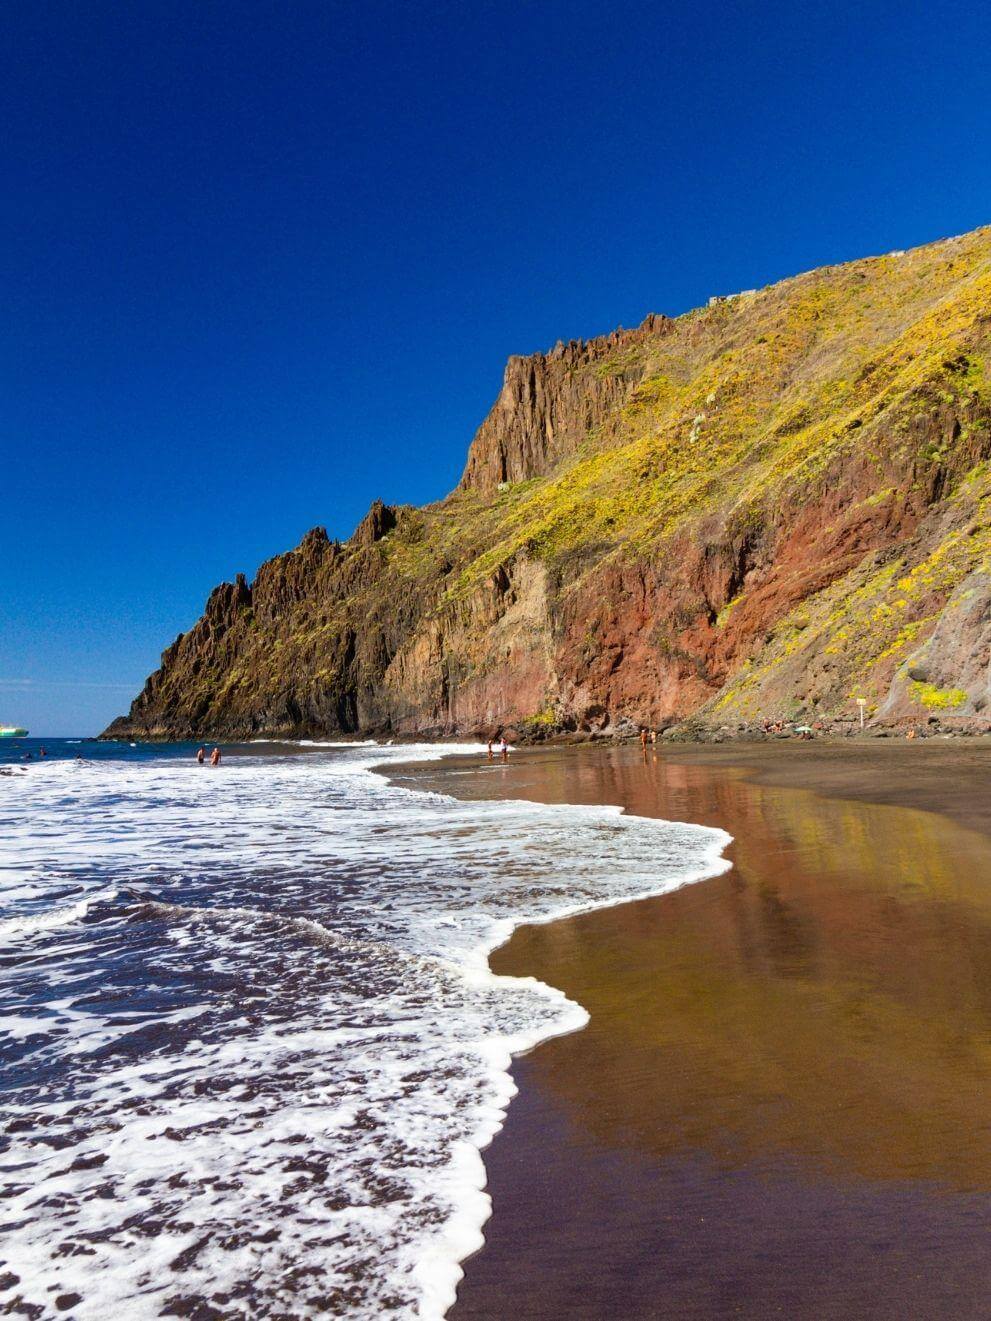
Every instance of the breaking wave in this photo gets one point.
(252, 1045)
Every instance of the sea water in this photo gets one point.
(251, 1048)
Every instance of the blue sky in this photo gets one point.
(262, 263)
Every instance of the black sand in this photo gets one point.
(781, 1105)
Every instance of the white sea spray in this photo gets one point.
(255, 1045)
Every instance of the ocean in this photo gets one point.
(251, 1046)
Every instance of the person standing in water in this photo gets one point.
(504, 749)
(201, 755)
(215, 757)
(490, 749)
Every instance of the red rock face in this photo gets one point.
(824, 506)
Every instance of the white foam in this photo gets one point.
(365, 1033)
(337, 743)
(31, 923)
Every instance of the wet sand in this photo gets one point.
(781, 1104)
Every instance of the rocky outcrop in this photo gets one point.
(950, 674)
(377, 523)
(767, 507)
(550, 403)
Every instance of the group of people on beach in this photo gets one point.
(214, 756)
(503, 749)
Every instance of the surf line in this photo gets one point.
(440, 1270)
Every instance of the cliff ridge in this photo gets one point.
(769, 506)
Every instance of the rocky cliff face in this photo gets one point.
(550, 403)
(770, 506)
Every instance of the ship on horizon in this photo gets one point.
(12, 731)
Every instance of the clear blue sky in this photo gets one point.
(262, 262)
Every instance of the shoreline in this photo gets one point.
(574, 1017)
(917, 775)
(815, 1021)
(949, 782)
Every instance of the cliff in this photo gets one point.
(772, 505)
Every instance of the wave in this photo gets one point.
(30, 924)
(331, 935)
(340, 743)
(305, 927)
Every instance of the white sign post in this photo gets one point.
(861, 702)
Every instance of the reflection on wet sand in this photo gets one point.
(796, 1054)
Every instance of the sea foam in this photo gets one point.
(255, 1044)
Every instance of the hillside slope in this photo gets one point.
(767, 506)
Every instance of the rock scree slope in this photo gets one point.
(769, 506)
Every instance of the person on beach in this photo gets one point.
(201, 756)
(215, 757)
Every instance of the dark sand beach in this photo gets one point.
(780, 1106)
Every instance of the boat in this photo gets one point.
(12, 731)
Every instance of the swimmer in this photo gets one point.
(215, 757)
(201, 756)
